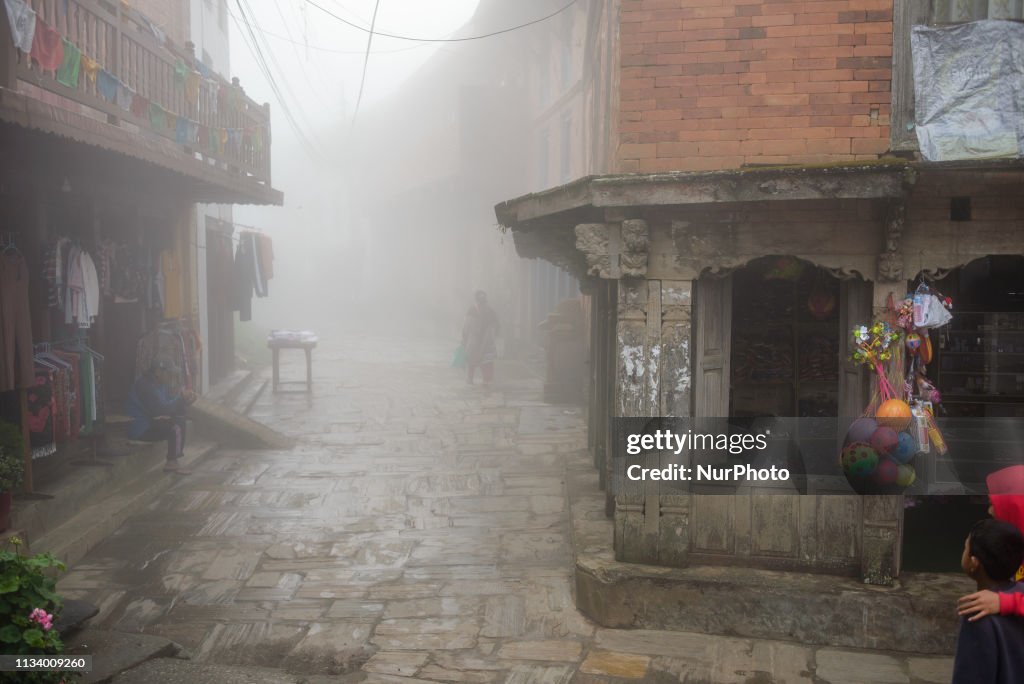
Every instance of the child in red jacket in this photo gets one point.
(1006, 494)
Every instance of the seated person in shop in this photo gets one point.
(158, 414)
(990, 649)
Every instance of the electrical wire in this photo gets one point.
(366, 61)
(440, 40)
(264, 67)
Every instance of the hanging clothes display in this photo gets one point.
(16, 368)
(244, 275)
(253, 267)
(74, 284)
(41, 413)
(174, 301)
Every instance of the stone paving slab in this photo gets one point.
(419, 531)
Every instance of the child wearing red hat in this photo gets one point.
(1006, 494)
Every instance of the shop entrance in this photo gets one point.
(979, 370)
(785, 340)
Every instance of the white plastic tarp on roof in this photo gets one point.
(969, 90)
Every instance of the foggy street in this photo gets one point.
(414, 517)
(418, 529)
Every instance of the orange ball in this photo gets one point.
(894, 413)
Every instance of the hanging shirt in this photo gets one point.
(174, 301)
(22, 20)
(266, 256)
(91, 291)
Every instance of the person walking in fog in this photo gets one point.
(479, 339)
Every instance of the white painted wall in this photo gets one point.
(209, 32)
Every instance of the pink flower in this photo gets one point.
(42, 618)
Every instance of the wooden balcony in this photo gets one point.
(137, 94)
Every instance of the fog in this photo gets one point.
(388, 220)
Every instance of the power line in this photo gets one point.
(440, 40)
(261, 63)
(366, 61)
(335, 51)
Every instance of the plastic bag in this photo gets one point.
(459, 357)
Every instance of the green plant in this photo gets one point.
(29, 604)
(11, 457)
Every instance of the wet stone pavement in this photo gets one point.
(418, 531)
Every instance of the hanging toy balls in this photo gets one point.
(905, 475)
(913, 342)
(905, 449)
(884, 440)
(894, 413)
(925, 351)
(861, 430)
(887, 472)
(859, 459)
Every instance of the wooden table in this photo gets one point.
(276, 345)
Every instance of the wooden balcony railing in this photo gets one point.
(129, 74)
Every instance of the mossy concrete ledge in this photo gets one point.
(917, 616)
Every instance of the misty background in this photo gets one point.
(388, 221)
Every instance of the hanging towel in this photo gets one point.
(91, 68)
(192, 87)
(22, 19)
(107, 84)
(67, 74)
(140, 106)
(180, 70)
(124, 97)
(193, 132)
(266, 256)
(47, 46)
(181, 131)
(157, 116)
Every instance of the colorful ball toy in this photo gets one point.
(905, 475)
(859, 459)
(887, 472)
(894, 413)
(884, 440)
(861, 430)
(905, 449)
(913, 342)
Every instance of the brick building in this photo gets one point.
(767, 154)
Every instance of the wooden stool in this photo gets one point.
(276, 345)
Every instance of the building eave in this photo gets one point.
(887, 178)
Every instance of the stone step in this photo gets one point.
(115, 652)
(94, 522)
(81, 483)
(242, 404)
(176, 671)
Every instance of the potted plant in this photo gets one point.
(29, 605)
(11, 468)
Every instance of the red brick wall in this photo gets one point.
(715, 84)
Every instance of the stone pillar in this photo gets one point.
(883, 515)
